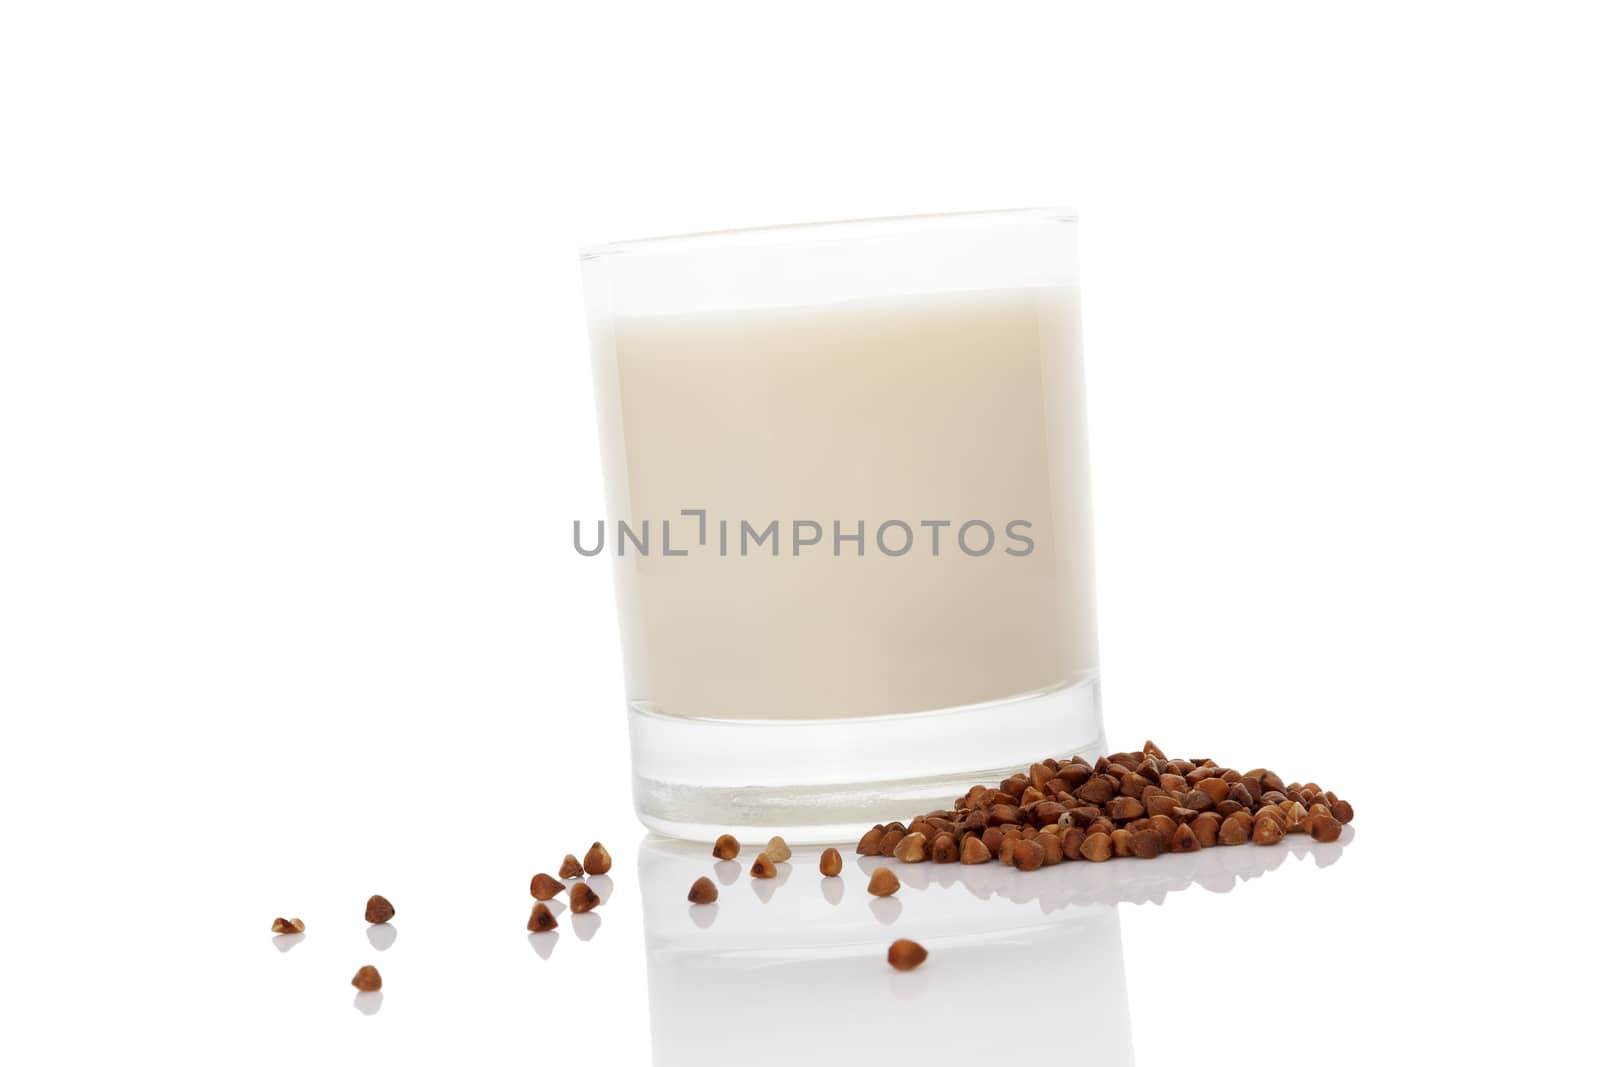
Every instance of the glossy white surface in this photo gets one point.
(296, 414)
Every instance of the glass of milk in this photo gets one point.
(848, 494)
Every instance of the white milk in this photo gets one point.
(948, 406)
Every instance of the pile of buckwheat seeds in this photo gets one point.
(1138, 804)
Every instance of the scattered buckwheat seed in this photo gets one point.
(883, 883)
(763, 867)
(379, 910)
(831, 863)
(570, 867)
(726, 848)
(905, 955)
(542, 921)
(597, 860)
(582, 899)
(367, 979)
(778, 850)
(288, 926)
(704, 891)
(544, 887)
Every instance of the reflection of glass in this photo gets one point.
(792, 970)
(851, 462)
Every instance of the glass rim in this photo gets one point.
(833, 229)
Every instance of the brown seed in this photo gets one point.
(583, 899)
(1027, 855)
(544, 887)
(570, 867)
(726, 848)
(891, 838)
(1323, 828)
(1160, 805)
(1096, 791)
(1215, 788)
(905, 955)
(911, 849)
(288, 926)
(1122, 841)
(1150, 749)
(973, 850)
(1184, 840)
(1147, 844)
(1048, 812)
(1206, 826)
(883, 883)
(379, 910)
(831, 863)
(1233, 832)
(1039, 774)
(1050, 845)
(1267, 831)
(1008, 848)
(1123, 809)
(992, 837)
(1097, 847)
(1075, 774)
(704, 891)
(763, 867)
(367, 979)
(943, 848)
(868, 845)
(597, 860)
(1072, 843)
(1134, 784)
(778, 850)
(1342, 810)
(542, 921)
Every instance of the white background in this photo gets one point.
(295, 414)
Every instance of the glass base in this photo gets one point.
(828, 780)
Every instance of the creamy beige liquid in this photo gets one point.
(940, 407)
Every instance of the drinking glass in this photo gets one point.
(848, 492)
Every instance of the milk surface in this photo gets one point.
(941, 407)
